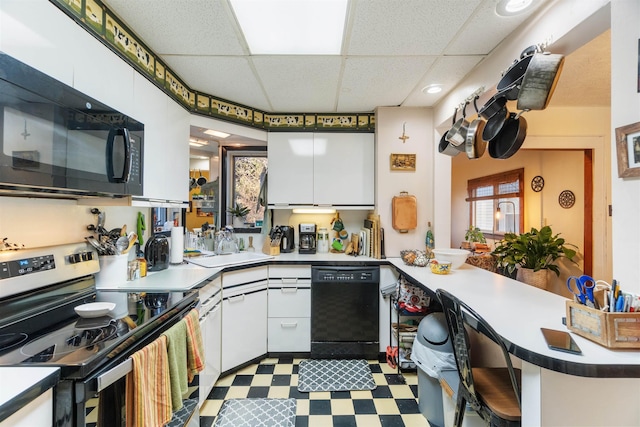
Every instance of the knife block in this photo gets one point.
(267, 249)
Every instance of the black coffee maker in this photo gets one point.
(307, 238)
(287, 243)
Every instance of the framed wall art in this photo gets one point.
(403, 162)
(628, 150)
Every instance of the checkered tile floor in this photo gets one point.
(391, 404)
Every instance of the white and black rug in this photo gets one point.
(334, 375)
(257, 413)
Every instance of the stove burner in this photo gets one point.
(11, 340)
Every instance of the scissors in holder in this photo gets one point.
(582, 288)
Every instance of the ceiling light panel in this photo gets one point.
(292, 27)
(216, 133)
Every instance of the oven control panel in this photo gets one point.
(20, 267)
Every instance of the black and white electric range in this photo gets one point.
(39, 289)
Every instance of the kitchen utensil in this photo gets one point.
(456, 135)
(201, 179)
(494, 124)
(582, 288)
(474, 143)
(404, 215)
(140, 227)
(511, 81)
(96, 244)
(122, 243)
(132, 238)
(510, 138)
(94, 309)
(493, 106)
(539, 81)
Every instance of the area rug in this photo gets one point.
(257, 413)
(334, 375)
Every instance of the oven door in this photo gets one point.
(100, 398)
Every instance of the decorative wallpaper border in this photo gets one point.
(98, 20)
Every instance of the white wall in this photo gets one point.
(419, 128)
(625, 109)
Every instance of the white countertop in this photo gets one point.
(18, 380)
(517, 311)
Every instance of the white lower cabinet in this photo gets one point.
(289, 311)
(211, 329)
(244, 315)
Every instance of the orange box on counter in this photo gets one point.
(612, 330)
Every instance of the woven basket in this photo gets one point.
(533, 278)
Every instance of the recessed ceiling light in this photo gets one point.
(514, 7)
(435, 88)
(216, 133)
(292, 27)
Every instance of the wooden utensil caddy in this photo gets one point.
(611, 330)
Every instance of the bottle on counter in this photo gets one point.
(429, 242)
(250, 248)
(142, 264)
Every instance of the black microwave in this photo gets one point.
(54, 139)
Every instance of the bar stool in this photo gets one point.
(494, 393)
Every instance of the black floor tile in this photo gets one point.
(341, 395)
(364, 406)
(376, 369)
(218, 393)
(382, 392)
(242, 380)
(394, 379)
(414, 390)
(258, 392)
(285, 360)
(281, 380)
(319, 407)
(408, 406)
(301, 421)
(206, 421)
(344, 421)
(265, 369)
(295, 394)
(391, 421)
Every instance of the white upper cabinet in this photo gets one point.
(290, 178)
(323, 169)
(343, 165)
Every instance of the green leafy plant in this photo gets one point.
(537, 250)
(473, 234)
(239, 210)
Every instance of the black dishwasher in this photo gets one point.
(345, 312)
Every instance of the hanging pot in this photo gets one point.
(444, 146)
(458, 132)
(539, 81)
(474, 143)
(511, 81)
(493, 106)
(201, 179)
(495, 123)
(192, 183)
(510, 138)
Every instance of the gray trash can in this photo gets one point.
(433, 353)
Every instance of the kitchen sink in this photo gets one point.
(218, 261)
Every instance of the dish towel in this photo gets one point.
(148, 399)
(177, 354)
(195, 349)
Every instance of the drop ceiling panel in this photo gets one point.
(406, 27)
(448, 71)
(191, 27)
(300, 83)
(230, 78)
(368, 78)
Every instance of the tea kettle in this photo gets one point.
(156, 252)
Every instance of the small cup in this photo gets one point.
(338, 225)
(443, 267)
(343, 234)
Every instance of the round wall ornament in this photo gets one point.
(566, 199)
(537, 183)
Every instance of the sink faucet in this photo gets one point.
(228, 242)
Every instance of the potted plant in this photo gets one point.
(532, 254)
(238, 213)
(472, 236)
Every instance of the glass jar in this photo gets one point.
(323, 240)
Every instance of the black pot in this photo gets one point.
(510, 138)
(509, 84)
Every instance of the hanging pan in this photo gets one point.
(201, 180)
(511, 81)
(495, 123)
(510, 138)
(458, 132)
(474, 143)
(445, 147)
(539, 81)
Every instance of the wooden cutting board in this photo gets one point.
(404, 213)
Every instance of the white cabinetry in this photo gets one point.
(244, 316)
(211, 329)
(289, 323)
(334, 169)
(38, 412)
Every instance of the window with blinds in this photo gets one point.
(497, 202)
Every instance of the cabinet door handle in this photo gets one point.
(289, 290)
(289, 281)
(237, 298)
(289, 325)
